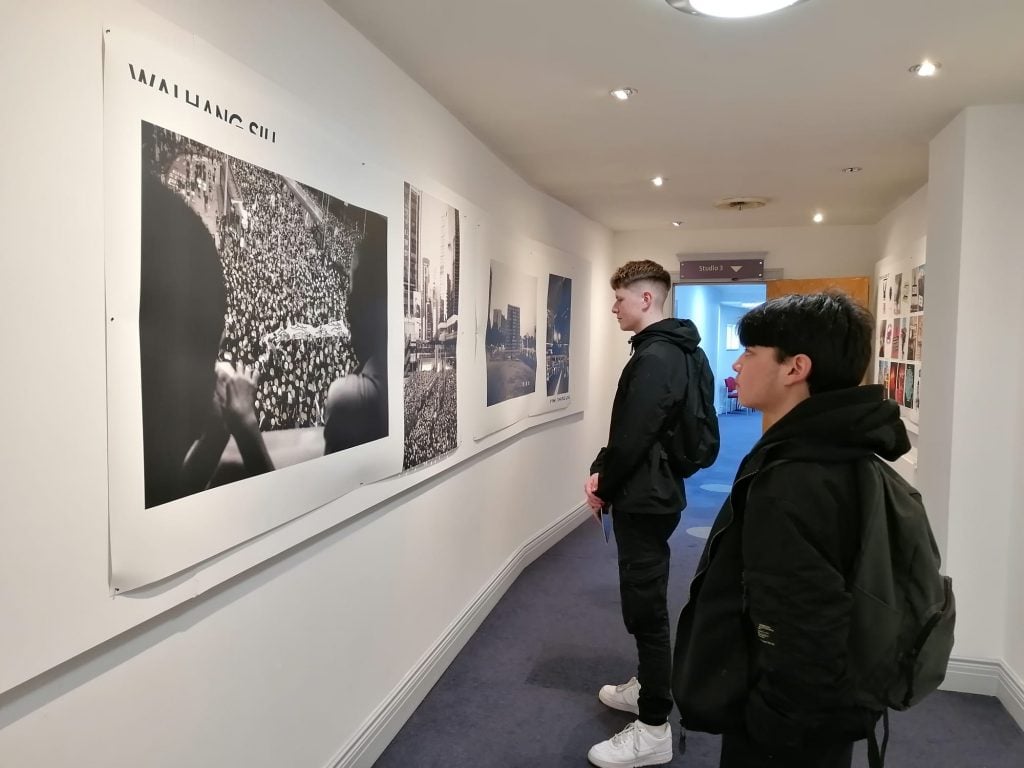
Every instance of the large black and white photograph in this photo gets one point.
(430, 295)
(249, 263)
(511, 335)
(556, 352)
(262, 319)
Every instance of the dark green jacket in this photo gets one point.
(761, 645)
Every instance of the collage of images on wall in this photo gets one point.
(900, 328)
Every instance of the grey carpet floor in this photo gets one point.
(523, 691)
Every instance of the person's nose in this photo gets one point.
(736, 365)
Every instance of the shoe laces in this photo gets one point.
(625, 686)
(631, 731)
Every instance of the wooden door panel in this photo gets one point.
(858, 288)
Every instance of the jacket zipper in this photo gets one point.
(720, 531)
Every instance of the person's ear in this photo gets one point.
(799, 368)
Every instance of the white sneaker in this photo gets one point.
(634, 746)
(622, 697)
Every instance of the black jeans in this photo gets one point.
(738, 751)
(644, 554)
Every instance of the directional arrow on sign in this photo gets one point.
(717, 270)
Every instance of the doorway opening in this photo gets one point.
(715, 309)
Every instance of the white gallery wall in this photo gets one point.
(310, 657)
(971, 441)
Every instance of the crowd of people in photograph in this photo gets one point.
(430, 418)
(285, 267)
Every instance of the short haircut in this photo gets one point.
(833, 330)
(636, 271)
(641, 271)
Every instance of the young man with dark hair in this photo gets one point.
(632, 476)
(761, 650)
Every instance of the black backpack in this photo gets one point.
(901, 632)
(691, 439)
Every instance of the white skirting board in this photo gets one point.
(989, 677)
(363, 749)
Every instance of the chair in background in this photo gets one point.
(731, 394)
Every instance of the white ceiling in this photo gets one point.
(773, 107)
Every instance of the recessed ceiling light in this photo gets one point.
(926, 68)
(731, 9)
(852, 169)
(677, 223)
(819, 217)
(622, 94)
(657, 181)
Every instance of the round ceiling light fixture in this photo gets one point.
(740, 203)
(677, 223)
(731, 9)
(926, 68)
(819, 217)
(623, 94)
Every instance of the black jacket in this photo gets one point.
(761, 646)
(634, 470)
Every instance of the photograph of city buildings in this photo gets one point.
(431, 307)
(511, 340)
(557, 348)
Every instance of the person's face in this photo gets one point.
(760, 378)
(630, 304)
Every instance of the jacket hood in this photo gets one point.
(838, 426)
(682, 333)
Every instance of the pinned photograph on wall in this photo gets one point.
(905, 298)
(248, 347)
(511, 336)
(919, 339)
(431, 263)
(893, 369)
(917, 302)
(883, 327)
(556, 353)
(901, 373)
(883, 374)
(912, 338)
(908, 387)
(883, 298)
(897, 328)
(262, 319)
(904, 330)
(895, 288)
